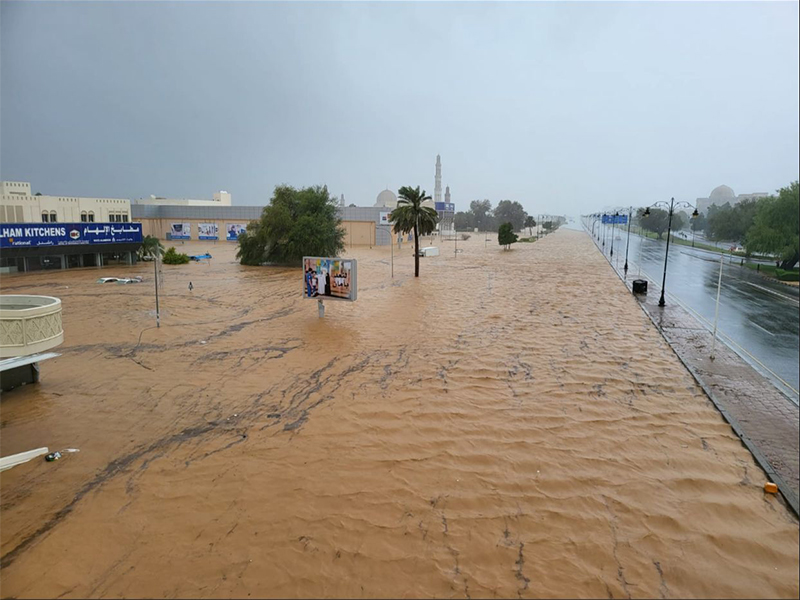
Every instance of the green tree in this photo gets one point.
(410, 215)
(511, 212)
(482, 214)
(464, 220)
(656, 221)
(530, 223)
(506, 235)
(776, 226)
(151, 246)
(699, 223)
(731, 223)
(295, 223)
(171, 257)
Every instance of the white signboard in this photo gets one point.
(180, 231)
(384, 218)
(207, 231)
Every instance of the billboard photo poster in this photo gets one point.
(180, 231)
(330, 278)
(384, 218)
(232, 231)
(207, 231)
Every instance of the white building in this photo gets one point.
(221, 198)
(17, 205)
(722, 195)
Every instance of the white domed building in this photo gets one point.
(721, 195)
(386, 199)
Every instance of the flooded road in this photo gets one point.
(758, 317)
(508, 424)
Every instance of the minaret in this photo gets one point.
(437, 188)
(341, 201)
(447, 194)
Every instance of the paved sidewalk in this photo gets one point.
(761, 415)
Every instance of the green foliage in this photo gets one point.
(171, 257)
(656, 221)
(730, 223)
(464, 220)
(411, 215)
(776, 226)
(508, 211)
(506, 235)
(776, 272)
(151, 246)
(296, 223)
(483, 218)
(698, 223)
(530, 223)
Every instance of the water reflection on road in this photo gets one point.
(759, 316)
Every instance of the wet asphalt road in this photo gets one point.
(758, 318)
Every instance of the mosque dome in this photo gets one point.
(386, 199)
(722, 192)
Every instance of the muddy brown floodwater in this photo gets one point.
(509, 424)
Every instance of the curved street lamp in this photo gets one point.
(672, 205)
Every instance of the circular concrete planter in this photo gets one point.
(29, 324)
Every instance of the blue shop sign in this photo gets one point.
(445, 207)
(36, 235)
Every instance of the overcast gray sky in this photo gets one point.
(564, 107)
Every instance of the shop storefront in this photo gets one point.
(28, 247)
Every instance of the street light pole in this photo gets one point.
(672, 204)
(155, 271)
(628, 243)
(716, 308)
(613, 232)
(661, 301)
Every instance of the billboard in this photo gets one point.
(384, 218)
(207, 231)
(232, 231)
(329, 278)
(445, 207)
(15, 235)
(615, 219)
(180, 231)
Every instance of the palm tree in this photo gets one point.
(151, 246)
(530, 223)
(410, 215)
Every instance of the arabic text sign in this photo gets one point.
(207, 231)
(34, 235)
(615, 219)
(330, 278)
(180, 231)
(445, 207)
(232, 231)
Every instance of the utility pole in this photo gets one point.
(155, 270)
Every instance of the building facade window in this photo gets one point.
(83, 217)
(90, 216)
(53, 217)
(125, 218)
(45, 216)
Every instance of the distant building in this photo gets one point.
(386, 199)
(722, 195)
(61, 232)
(221, 198)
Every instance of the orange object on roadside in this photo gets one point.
(770, 487)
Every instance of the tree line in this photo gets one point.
(769, 225)
(482, 216)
